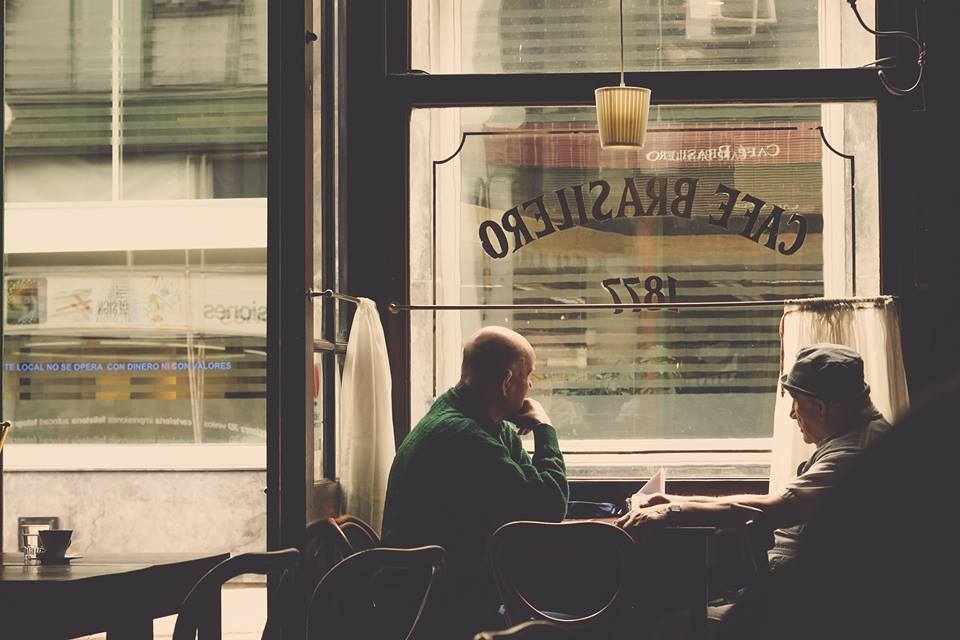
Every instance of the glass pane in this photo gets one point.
(517, 36)
(57, 101)
(724, 203)
(194, 115)
(134, 288)
(83, 390)
(320, 248)
(317, 427)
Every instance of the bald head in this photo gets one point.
(492, 351)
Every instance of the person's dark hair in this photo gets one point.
(487, 358)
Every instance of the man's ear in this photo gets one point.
(505, 383)
(822, 408)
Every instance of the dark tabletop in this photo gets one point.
(120, 593)
(98, 564)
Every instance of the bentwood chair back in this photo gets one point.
(284, 563)
(330, 540)
(378, 594)
(353, 535)
(756, 538)
(574, 574)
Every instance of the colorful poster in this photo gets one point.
(26, 301)
(73, 304)
(213, 303)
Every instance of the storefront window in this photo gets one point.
(725, 203)
(539, 36)
(135, 221)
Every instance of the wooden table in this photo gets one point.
(117, 593)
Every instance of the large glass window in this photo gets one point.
(134, 285)
(725, 203)
(135, 227)
(524, 36)
(728, 204)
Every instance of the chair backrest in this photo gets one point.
(756, 539)
(377, 593)
(354, 534)
(575, 574)
(532, 630)
(330, 540)
(284, 563)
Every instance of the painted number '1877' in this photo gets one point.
(652, 284)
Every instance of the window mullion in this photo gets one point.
(116, 97)
(801, 85)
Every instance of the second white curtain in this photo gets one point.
(872, 327)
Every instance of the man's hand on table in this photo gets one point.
(650, 500)
(530, 415)
(645, 517)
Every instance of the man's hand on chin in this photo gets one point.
(531, 414)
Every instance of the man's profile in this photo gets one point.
(833, 410)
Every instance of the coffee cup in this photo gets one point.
(54, 542)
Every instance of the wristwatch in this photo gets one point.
(673, 512)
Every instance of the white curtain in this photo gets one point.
(366, 447)
(869, 325)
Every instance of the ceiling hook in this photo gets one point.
(921, 54)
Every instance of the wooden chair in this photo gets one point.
(532, 630)
(757, 539)
(352, 535)
(330, 540)
(377, 593)
(754, 539)
(207, 590)
(574, 574)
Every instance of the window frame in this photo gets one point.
(383, 91)
(588, 456)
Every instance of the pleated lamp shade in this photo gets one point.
(622, 114)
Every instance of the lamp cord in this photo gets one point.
(621, 44)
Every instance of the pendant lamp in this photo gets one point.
(622, 111)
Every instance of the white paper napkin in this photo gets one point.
(656, 484)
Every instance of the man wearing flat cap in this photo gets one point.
(832, 407)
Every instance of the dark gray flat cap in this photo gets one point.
(827, 371)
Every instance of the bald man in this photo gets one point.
(463, 472)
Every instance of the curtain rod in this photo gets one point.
(397, 308)
(814, 300)
(330, 293)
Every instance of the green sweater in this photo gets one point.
(458, 476)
